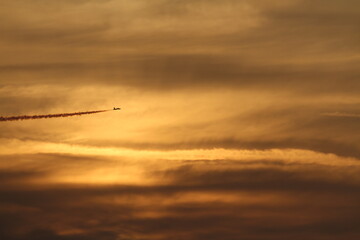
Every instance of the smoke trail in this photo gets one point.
(339, 114)
(27, 117)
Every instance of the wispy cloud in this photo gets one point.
(342, 114)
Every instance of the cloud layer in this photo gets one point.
(239, 119)
(197, 200)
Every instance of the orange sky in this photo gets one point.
(240, 119)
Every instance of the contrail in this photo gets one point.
(339, 114)
(59, 115)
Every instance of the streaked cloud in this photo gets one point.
(191, 199)
(239, 119)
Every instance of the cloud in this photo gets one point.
(189, 49)
(339, 114)
(203, 76)
(196, 71)
(279, 126)
(195, 201)
(11, 176)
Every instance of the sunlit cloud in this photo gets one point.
(239, 120)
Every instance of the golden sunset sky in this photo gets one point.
(240, 119)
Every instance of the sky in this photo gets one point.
(240, 119)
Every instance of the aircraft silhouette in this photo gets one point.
(116, 108)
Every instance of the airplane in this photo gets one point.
(116, 108)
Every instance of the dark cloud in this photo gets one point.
(11, 176)
(317, 201)
(193, 71)
(282, 53)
